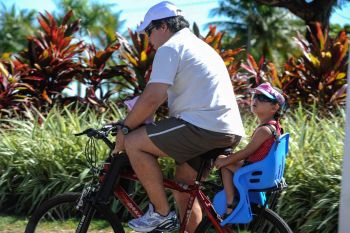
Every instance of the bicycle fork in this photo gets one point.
(85, 220)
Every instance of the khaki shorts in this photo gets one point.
(185, 142)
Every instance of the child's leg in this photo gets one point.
(227, 176)
(227, 179)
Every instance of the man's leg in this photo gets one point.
(143, 155)
(186, 174)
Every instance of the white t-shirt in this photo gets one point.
(200, 89)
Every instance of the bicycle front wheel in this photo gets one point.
(269, 222)
(59, 214)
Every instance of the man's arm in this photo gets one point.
(152, 97)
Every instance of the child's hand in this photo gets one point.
(220, 161)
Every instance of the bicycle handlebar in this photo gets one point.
(102, 133)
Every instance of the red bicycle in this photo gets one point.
(91, 209)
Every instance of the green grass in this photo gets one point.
(12, 224)
(15, 224)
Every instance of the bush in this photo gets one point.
(38, 161)
(313, 173)
(319, 75)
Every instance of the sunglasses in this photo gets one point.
(263, 98)
(149, 29)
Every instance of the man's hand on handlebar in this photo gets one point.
(119, 142)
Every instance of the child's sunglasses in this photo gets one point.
(263, 98)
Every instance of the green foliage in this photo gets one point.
(14, 28)
(313, 173)
(262, 29)
(334, 29)
(97, 19)
(38, 161)
(9, 90)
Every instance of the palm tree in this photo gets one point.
(96, 17)
(263, 30)
(310, 11)
(97, 21)
(14, 28)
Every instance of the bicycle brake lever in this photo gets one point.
(114, 132)
(89, 132)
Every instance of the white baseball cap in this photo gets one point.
(161, 10)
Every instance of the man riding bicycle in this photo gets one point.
(203, 114)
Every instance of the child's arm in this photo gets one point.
(261, 134)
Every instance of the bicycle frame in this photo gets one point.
(111, 170)
(108, 181)
(195, 191)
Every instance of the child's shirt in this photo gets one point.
(265, 147)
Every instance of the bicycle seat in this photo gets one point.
(263, 175)
(213, 154)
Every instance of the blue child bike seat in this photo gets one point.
(262, 175)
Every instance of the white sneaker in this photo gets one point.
(152, 220)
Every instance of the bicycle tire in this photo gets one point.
(59, 207)
(269, 222)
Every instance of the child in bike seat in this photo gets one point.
(268, 105)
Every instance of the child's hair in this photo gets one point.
(283, 108)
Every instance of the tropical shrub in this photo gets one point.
(48, 64)
(55, 58)
(139, 57)
(9, 90)
(319, 75)
(258, 72)
(214, 39)
(95, 74)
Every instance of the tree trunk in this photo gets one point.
(315, 11)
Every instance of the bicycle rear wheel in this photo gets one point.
(269, 222)
(59, 214)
